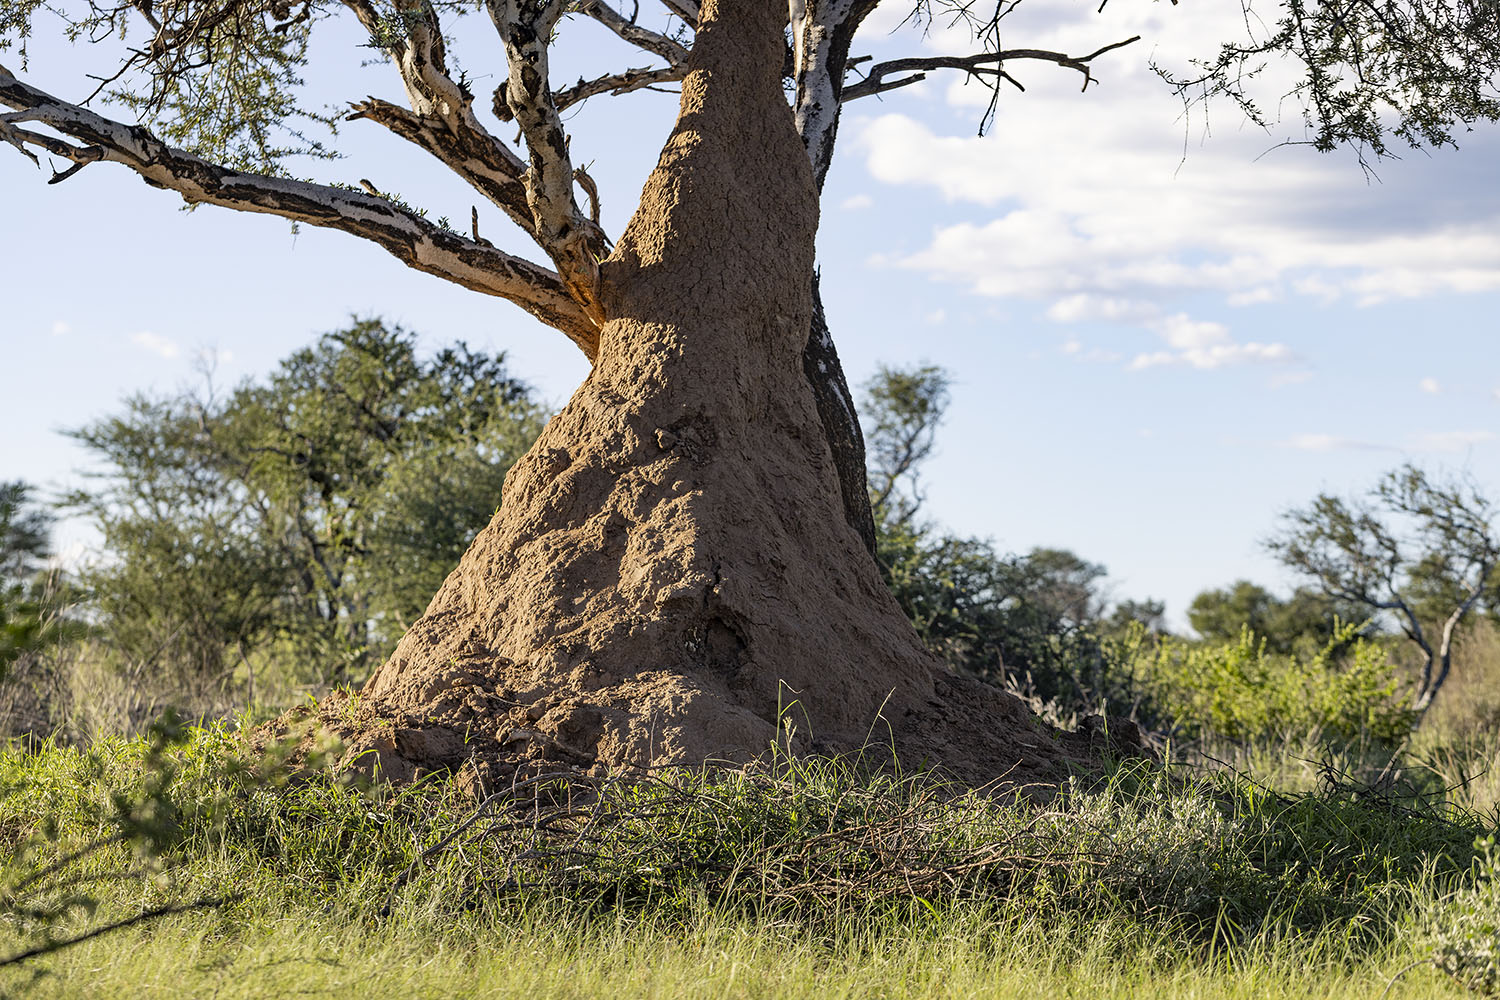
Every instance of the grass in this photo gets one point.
(552, 953)
(798, 878)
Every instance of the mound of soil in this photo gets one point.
(972, 732)
(671, 577)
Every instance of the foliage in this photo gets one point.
(31, 601)
(47, 883)
(902, 409)
(1034, 622)
(806, 843)
(1347, 692)
(1029, 621)
(301, 523)
(1415, 70)
(1465, 935)
(1303, 622)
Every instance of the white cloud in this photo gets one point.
(155, 343)
(1430, 385)
(59, 328)
(1330, 442)
(1122, 231)
(856, 202)
(1450, 441)
(1286, 378)
(1195, 343)
(1253, 296)
(1446, 442)
(936, 317)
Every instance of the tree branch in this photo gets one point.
(442, 119)
(571, 239)
(468, 154)
(403, 233)
(821, 33)
(685, 9)
(979, 65)
(642, 38)
(617, 83)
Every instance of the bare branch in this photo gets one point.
(470, 154)
(403, 233)
(442, 120)
(643, 38)
(616, 83)
(979, 65)
(575, 243)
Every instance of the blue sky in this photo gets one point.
(1162, 330)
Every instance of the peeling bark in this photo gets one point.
(571, 239)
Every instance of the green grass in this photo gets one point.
(549, 953)
(800, 878)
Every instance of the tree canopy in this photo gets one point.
(301, 522)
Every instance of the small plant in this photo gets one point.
(1465, 938)
(125, 813)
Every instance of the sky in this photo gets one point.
(1163, 328)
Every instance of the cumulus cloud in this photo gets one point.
(856, 202)
(1191, 342)
(156, 344)
(1096, 207)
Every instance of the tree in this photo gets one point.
(299, 524)
(904, 408)
(1304, 622)
(26, 621)
(1384, 551)
(694, 520)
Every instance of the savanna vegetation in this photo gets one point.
(1312, 823)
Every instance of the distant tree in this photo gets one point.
(903, 409)
(1305, 621)
(1149, 614)
(1410, 548)
(306, 518)
(25, 532)
(26, 622)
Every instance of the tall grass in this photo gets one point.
(792, 878)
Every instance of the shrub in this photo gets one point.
(1348, 691)
(1465, 936)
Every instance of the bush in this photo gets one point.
(1347, 692)
(1465, 936)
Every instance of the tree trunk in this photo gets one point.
(672, 575)
(846, 440)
